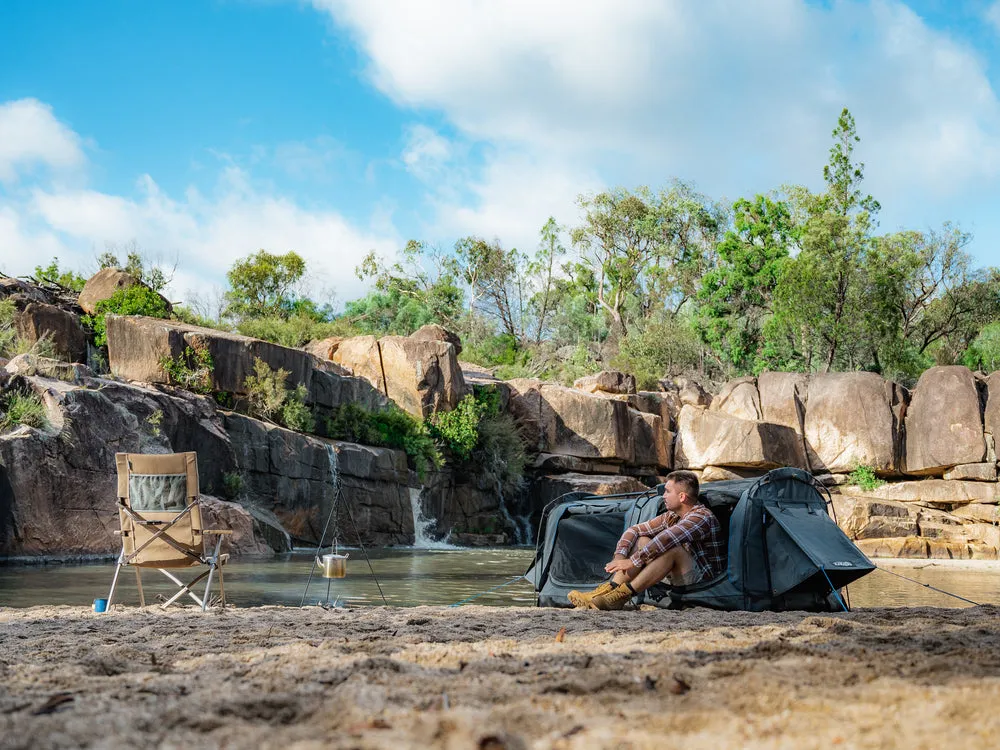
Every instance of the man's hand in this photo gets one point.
(624, 565)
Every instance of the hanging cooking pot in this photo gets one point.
(333, 565)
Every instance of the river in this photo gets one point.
(410, 577)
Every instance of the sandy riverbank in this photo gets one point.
(478, 677)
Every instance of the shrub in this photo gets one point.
(499, 457)
(390, 428)
(269, 397)
(864, 477)
(459, 429)
(192, 370)
(21, 408)
(296, 330)
(154, 420)
(232, 484)
(133, 300)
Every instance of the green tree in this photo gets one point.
(149, 272)
(735, 298)
(53, 274)
(821, 297)
(263, 284)
(421, 275)
(648, 250)
(543, 268)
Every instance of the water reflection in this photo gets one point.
(411, 577)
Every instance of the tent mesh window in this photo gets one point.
(572, 559)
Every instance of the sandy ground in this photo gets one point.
(480, 677)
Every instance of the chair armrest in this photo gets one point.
(221, 532)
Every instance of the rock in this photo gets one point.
(783, 397)
(991, 415)
(862, 518)
(653, 402)
(722, 474)
(29, 365)
(552, 486)
(832, 480)
(978, 513)
(687, 391)
(292, 475)
(434, 332)
(222, 514)
(58, 489)
(422, 377)
(935, 524)
(62, 328)
(739, 398)
(944, 424)
(138, 345)
(708, 438)
(324, 348)
(977, 472)
(934, 492)
(103, 285)
(653, 442)
(850, 421)
(550, 462)
(22, 291)
(907, 547)
(566, 421)
(607, 381)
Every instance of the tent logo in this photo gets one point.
(842, 563)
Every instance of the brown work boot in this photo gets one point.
(617, 598)
(581, 599)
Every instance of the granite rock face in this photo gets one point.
(63, 329)
(944, 422)
(739, 398)
(607, 381)
(853, 419)
(710, 438)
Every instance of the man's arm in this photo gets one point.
(647, 528)
(694, 527)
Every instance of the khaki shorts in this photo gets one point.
(689, 578)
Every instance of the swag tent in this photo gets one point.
(784, 551)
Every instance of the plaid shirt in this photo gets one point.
(698, 532)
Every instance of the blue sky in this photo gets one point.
(205, 130)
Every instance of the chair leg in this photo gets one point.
(138, 583)
(114, 581)
(211, 570)
(222, 588)
(185, 588)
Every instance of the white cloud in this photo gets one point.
(203, 234)
(31, 136)
(739, 97)
(426, 152)
(992, 15)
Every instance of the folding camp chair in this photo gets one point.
(161, 523)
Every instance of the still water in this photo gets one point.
(410, 577)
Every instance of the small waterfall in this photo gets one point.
(520, 524)
(331, 455)
(422, 525)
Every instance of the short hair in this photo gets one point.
(687, 482)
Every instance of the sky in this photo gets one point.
(204, 130)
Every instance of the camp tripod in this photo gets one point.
(334, 564)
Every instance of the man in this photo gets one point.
(683, 546)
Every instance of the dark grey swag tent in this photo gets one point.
(784, 550)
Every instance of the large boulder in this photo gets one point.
(783, 398)
(138, 346)
(709, 438)
(852, 419)
(245, 539)
(324, 348)
(28, 365)
(421, 376)
(434, 332)
(654, 402)
(944, 422)
(569, 422)
(37, 320)
(739, 398)
(58, 485)
(653, 442)
(607, 381)
(103, 285)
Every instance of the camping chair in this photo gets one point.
(161, 523)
